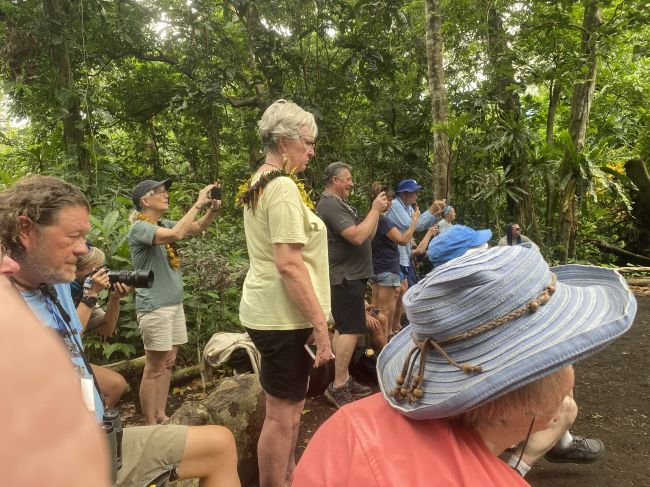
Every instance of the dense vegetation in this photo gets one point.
(536, 108)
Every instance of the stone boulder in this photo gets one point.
(238, 404)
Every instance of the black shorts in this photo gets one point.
(285, 364)
(348, 306)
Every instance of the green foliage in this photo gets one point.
(174, 89)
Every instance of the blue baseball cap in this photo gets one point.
(408, 186)
(455, 242)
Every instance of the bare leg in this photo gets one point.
(154, 387)
(345, 345)
(386, 302)
(294, 441)
(397, 316)
(111, 384)
(277, 439)
(210, 455)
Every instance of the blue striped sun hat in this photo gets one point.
(505, 319)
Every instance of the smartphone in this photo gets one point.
(311, 350)
(215, 193)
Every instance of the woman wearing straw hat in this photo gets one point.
(487, 364)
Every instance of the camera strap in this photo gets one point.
(62, 319)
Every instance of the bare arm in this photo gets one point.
(99, 282)
(403, 238)
(112, 314)
(185, 225)
(424, 243)
(294, 273)
(50, 436)
(358, 234)
(204, 222)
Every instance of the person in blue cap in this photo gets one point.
(402, 208)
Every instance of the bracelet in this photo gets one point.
(198, 208)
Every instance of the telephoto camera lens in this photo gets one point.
(139, 278)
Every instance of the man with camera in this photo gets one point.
(43, 223)
(152, 241)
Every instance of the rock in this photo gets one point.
(238, 404)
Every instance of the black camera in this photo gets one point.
(139, 278)
(215, 193)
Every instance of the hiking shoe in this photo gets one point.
(581, 450)
(339, 396)
(356, 389)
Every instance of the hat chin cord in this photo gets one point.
(409, 386)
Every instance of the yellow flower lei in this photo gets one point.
(248, 194)
(173, 257)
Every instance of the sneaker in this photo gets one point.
(581, 450)
(339, 396)
(356, 389)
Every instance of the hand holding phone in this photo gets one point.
(215, 193)
(311, 350)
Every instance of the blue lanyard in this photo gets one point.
(65, 331)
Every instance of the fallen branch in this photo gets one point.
(613, 249)
(638, 282)
(629, 270)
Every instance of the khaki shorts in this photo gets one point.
(146, 450)
(163, 327)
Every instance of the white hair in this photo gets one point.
(283, 119)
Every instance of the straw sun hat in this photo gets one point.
(503, 319)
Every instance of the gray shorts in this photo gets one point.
(163, 327)
(146, 450)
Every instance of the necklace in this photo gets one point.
(172, 253)
(249, 193)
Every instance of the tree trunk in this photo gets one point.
(212, 127)
(555, 90)
(640, 238)
(583, 92)
(439, 102)
(515, 161)
(72, 133)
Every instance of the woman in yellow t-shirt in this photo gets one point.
(286, 295)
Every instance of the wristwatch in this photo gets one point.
(90, 301)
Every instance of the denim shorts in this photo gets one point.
(387, 279)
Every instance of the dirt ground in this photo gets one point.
(612, 391)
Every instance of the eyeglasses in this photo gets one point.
(307, 141)
(161, 190)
